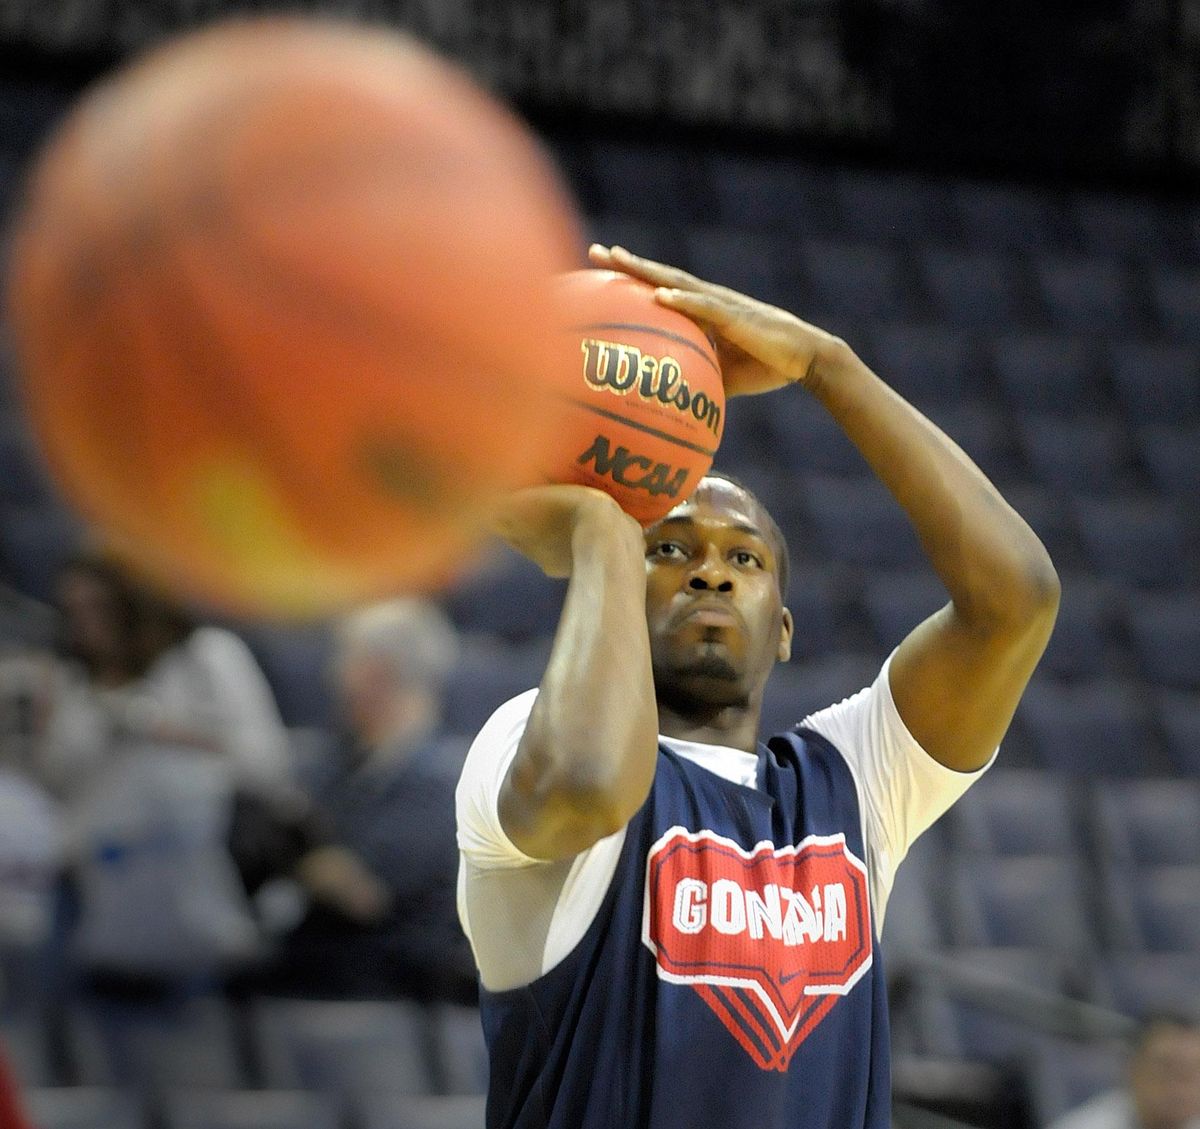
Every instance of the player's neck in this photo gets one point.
(734, 726)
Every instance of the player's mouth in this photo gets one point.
(709, 614)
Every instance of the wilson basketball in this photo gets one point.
(646, 406)
(280, 295)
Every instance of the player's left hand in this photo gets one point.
(760, 347)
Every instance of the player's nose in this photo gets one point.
(711, 574)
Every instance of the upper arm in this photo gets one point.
(957, 684)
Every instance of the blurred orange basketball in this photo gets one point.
(644, 393)
(280, 294)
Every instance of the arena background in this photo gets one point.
(997, 206)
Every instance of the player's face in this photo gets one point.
(717, 622)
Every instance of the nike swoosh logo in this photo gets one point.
(788, 977)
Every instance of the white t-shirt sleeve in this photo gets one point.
(481, 839)
(902, 790)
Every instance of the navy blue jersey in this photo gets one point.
(731, 977)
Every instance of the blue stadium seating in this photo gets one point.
(1087, 454)
(1177, 296)
(979, 289)
(487, 675)
(1099, 727)
(852, 282)
(998, 216)
(1048, 373)
(1150, 822)
(857, 522)
(929, 363)
(381, 1112)
(1155, 909)
(1031, 901)
(460, 1054)
(895, 602)
(1063, 1075)
(1165, 631)
(653, 240)
(1156, 382)
(84, 1107)
(34, 545)
(771, 193)
(894, 206)
(1085, 641)
(1121, 225)
(249, 1109)
(1171, 456)
(186, 1043)
(1179, 716)
(508, 596)
(1084, 295)
(1138, 540)
(1140, 984)
(343, 1047)
(1015, 812)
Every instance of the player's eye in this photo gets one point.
(667, 551)
(747, 559)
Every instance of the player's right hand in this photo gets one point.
(542, 523)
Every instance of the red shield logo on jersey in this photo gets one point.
(770, 939)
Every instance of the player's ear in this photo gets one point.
(786, 628)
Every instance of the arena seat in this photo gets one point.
(856, 521)
(1176, 295)
(343, 1047)
(771, 193)
(295, 661)
(649, 180)
(912, 923)
(1062, 1075)
(1155, 909)
(1049, 514)
(34, 545)
(1179, 716)
(965, 1024)
(894, 206)
(742, 260)
(487, 674)
(1138, 540)
(460, 1053)
(999, 216)
(797, 689)
(1033, 901)
(1146, 823)
(1139, 984)
(1085, 642)
(1054, 374)
(1016, 812)
(151, 1044)
(384, 1112)
(1098, 727)
(895, 602)
(814, 600)
(1165, 630)
(1171, 456)
(929, 363)
(84, 1107)
(803, 436)
(506, 596)
(249, 1109)
(1085, 454)
(1156, 382)
(25, 1045)
(1120, 225)
(1086, 295)
(979, 289)
(854, 281)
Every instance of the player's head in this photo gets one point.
(716, 573)
(1164, 1073)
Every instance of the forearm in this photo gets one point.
(993, 565)
(587, 757)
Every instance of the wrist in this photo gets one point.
(833, 365)
(602, 528)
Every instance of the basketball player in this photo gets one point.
(676, 924)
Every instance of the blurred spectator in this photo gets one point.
(146, 727)
(1164, 1083)
(139, 672)
(386, 797)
